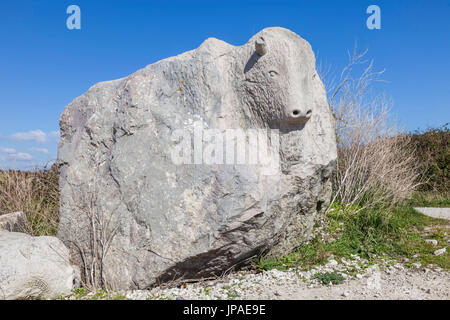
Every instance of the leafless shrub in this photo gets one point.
(93, 245)
(376, 162)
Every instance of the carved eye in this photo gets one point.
(273, 73)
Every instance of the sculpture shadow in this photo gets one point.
(251, 62)
(285, 128)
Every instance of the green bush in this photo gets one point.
(433, 150)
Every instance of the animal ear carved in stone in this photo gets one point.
(260, 46)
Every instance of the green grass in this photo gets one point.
(430, 199)
(370, 234)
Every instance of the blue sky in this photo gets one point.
(44, 66)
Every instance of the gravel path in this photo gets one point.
(443, 213)
(393, 281)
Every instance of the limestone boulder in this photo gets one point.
(34, 267)
(196, 163)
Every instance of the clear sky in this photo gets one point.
(44, 66)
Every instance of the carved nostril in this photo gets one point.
(298, 116)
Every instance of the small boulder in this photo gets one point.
(14, 222)
(34, 267)
(346, 293)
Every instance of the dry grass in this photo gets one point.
(383, 172)
(36, 194)
(377, 164)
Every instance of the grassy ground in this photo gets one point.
(372, 235)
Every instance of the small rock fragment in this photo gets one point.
(332, 262)
(432, 242)
(440, 252)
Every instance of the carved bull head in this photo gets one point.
(278, 79)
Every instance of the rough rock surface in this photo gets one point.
(34, 267)
(151, 219)
(15, 222)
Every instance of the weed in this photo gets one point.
(100, 294)
(207, 291)
(232, 294)
(329, 277)
(80, 293)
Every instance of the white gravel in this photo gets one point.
(393, 281)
